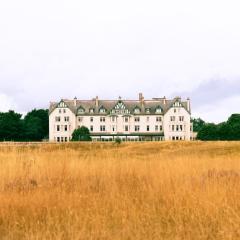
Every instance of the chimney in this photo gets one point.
(188, 105)
(164, 100)
(75, 101)
(141, 98)
(96, 101)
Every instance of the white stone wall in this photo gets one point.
(178, 133)
(183, 134)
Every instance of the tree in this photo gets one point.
(36, 125)
(81, 134)
(198, 123)
(209, 132)
(10, 126)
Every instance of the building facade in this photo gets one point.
(131, 120)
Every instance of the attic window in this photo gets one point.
(102, 110)
(81, 110)
(91, 110)
(137, 110)
(148, 110)
(177, 104)
(158, 110)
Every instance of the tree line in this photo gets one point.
(225, 131)
(32, 127)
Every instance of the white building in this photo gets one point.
(156, 119)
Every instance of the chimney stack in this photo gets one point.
(164, 100)
(75, 101)
(141, 98)
(96, 101)
(188, 105)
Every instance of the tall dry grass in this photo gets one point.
(132, 191)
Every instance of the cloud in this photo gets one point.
(6, 103)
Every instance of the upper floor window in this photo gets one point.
(81, 110)
(102, 128)
(91, 128)
(158, 119)
(126, 119)
(137, 119)
(58, 128)
(60, 110)
(102, 110)
(57, 119)
(148, 128)
(148, 119)
(137, 128)
(158, 110)
(181, 118)
(91, 119)
(80, 119)
(137, 110)
(147, 110)
(102, 119)
(66, 119)
(64, 110)
(126, 128)
(177, 104)
(113, 119)
(172, 118)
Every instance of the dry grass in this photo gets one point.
(132, 191)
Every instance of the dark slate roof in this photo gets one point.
(129, 104)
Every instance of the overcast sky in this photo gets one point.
(53, 49)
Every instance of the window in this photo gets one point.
(148, 128)
(126, 128)
(147, 110)
(158, 110)
(137, 119)
(91, 110)
(80, 119)
(181, 118)
(158, 119)
(66, 139)
(62, 139)
(65, 128)
(126, 119)
(137, 110)
(102, 128)
(66, 119)
(113, 119)
(175, 110)
(91, 119)
(181, 127)
(81, 110)
(156, 128)
(58, 139)
(58, 128)
(102, 110)
(160, 128)
(172, 118)
(137, 128)
(113, 128)
(177, 128)
(120, 108)
(64, 110)
(60, 111)
(57, 119)
(147, 119)
(91, 128)
(173, 127)
(102, 119)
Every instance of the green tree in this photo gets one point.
(36, 125)
(11, 126)
(198, 123)
(81, 134)
(209, 132)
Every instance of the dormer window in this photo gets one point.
(158, 110)
(102, 110)
(91, 110)
(81, 110)
(177, 104)
(137, 110)
(147, 110)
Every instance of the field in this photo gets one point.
(181, 190)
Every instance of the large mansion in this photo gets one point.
(155, 119)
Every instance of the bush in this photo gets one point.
(118, 140)
(81, 134)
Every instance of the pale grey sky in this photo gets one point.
(53, 49)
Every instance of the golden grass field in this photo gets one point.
(155, 190)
